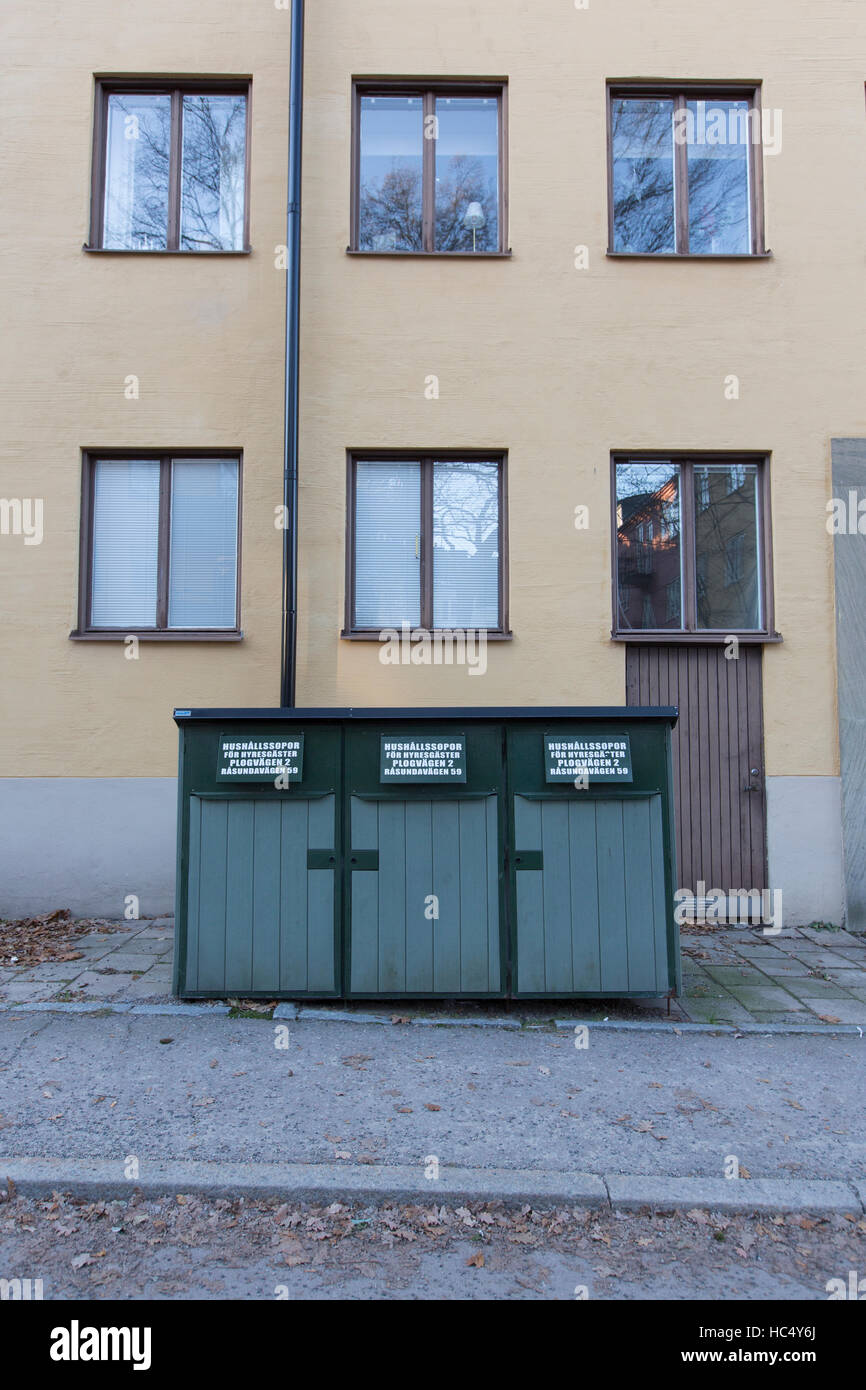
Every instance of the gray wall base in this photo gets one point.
(849, 551)
(804, 848)
(86, 843)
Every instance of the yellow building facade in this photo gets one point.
(551, 353)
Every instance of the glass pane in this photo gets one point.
(204, 543)
(648, 562)
(136, 172)
(718, 154)
(213, 173)
(726, 547)
(466, 545)
(643, 174)
(467, 174)
(387, 545)
(391, 174)
(125, 543)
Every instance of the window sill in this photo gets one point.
(418, 634)
(432, 255)
(689, 255)
(140, 251)
(676, 637)
(149, 635)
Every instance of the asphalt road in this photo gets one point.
(221, 1090)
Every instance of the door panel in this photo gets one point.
(262, 895)
(409, 860)
(590, 890)
(718, 740)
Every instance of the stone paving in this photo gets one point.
(130, 962)
(802, 975)
(806, 976)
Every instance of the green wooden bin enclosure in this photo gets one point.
(379, 853)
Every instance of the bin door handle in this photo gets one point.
(529, 859)
(321, 858)
(364, 860)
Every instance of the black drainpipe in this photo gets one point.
(293, 336)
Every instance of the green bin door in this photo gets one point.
(424, 896)
(261, 906)
(590, 892)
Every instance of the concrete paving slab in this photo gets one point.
(66, 970)
(777, 1017)
(849, 978)
(102, 986)
(819, 959)
(717, 1011)
(817, 989)
(766, 998)
(125, 961)
(844, 1010)
(21, 991)
(735, 974)
(150, 947)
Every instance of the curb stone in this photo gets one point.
(184, 1010)
(294, 1012)
(339, 1016)
(651, 1026)
(301, 1182)
(741, 1195)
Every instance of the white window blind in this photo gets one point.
(387, 544)
(125, 543)
(204, 543)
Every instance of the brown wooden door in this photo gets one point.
(718, 748)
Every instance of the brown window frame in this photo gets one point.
(687, 461)
(176, 88)
(426, 459)
(429, 89)
(682, 92)
(161, 632)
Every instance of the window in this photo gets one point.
(428, 169)
(170, 167)
(705, 570)
(159, 545)
(685, 171)
(426, 544)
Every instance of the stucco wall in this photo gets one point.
(557, 365)
(203, 335)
